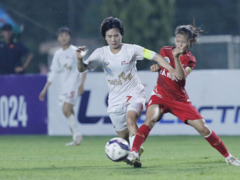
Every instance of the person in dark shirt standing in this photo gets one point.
(11, 53)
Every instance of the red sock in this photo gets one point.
(217, 143)
(140, 137)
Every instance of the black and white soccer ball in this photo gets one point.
(117, 149)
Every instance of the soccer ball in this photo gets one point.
(117, 149)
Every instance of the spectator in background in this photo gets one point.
(11, 53)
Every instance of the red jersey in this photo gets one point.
(172, 89)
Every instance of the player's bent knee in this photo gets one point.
(204, 131)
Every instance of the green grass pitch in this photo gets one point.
(165, 157)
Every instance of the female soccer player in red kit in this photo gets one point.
(169, 95)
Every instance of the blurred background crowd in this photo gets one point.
(149, 23)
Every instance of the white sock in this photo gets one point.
(229, 156)
(131, 139)
(74, 125)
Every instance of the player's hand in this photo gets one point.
(173, 74)
(18, 69)
(154, 67)
(42, 96)
(81, 52)
(80, 90)
(177, 52)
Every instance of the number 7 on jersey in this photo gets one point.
(128, 98)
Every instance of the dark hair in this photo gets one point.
(192, 31)
(64, 30)
(110, 23)
(7, 27)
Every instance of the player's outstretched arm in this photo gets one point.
(162, 62)
(81, 52)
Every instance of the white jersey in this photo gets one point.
(120, 71)
(65, 63)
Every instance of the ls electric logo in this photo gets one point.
(226, 113)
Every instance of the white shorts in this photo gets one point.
(70, 97)
(118, 113)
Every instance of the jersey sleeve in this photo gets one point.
(54, 68)
(162, 52)
(95, 59)
(96, 55)
(189, 65)
(141, 53)
(165, 52)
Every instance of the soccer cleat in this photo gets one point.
(141, 150)
(232, 161)
(133, 159)
(70, 144)
(77, 141)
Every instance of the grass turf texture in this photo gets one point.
(165, 157)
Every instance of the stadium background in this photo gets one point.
(213, 86)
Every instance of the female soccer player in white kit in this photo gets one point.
(72, 82)
(118, 60)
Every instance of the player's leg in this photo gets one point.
(123, 134)
(153, 114)
(213, 140)
(134, 110)
(131, 118)
(134, 104)
(119, 123)
(73, 124)
(187, 113)
(200, 126)
(209, 135)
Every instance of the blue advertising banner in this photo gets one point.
(214, 93)
(20, 110)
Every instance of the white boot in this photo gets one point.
(75, 129)
(133, 159)
(131, 139)
(232, 160)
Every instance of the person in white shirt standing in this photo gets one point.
(72, 82)
(118, 60)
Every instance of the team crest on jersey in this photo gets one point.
(167, 59)
(108, 71)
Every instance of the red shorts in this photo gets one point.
(183, 110)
